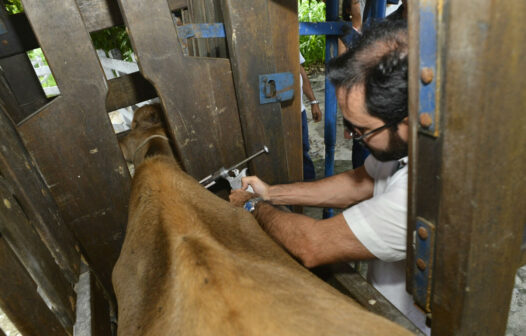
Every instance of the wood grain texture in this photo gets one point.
(251, 57)
(285, 39)
(36, 258)
(72, 139)
(196, 93)
(19, 171)
(20, 300)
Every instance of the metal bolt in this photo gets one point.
(421, 264)
(425, 120)
(426, 75)
(422, 233)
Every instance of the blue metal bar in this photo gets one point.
(331, 51)
(323, 28)
(204, 30)
(213, 30)
(374, 9)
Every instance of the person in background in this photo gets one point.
(308, 166)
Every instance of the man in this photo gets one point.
(308, 166)
(371, 88)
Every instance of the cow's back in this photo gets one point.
(192, 264)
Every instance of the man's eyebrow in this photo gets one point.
(350, 125)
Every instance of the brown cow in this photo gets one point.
(193, 264)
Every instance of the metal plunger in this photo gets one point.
(210, 180)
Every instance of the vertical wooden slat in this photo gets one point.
(206, 11)
(72, 139)
(99, 14)
(20, 300)
(252, 53)
(197, 93)
(481, 214)
(20, 172)
(285, 38)
(36, 258)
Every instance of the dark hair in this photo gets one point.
(378, 61)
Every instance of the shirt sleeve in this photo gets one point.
(380, 223)
(302, 60)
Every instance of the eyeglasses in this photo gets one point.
(357, 135)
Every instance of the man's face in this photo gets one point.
(384, 145)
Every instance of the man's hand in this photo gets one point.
(260, 187)
(238, 197)
(316, 112)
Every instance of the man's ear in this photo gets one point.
(405, 121)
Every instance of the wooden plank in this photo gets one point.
(22, 237)
(352, 284)
(20, 172)
(285, 39)
(177, 4)
(7, 97)
(479, 227)
(84, 169)
(19, 37)
(20, 300)
(24, 84)
(251, 57)
(128, 90)
(196, 93)
(99, 14)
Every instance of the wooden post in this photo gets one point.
(469, 176)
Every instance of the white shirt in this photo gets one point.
(380, 224)
(302, 60)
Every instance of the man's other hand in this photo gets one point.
(316, 112)
(238, 197)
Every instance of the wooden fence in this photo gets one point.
(63, 181)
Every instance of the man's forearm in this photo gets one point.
(337, 191)
(287, 228)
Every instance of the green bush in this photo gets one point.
(312, 46)
(13, 6)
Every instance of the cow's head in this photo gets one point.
(147, 136)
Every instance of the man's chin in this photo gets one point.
(385, 156)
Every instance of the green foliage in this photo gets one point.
(113, 38)
(13, 6)
(32, 54)
(312, 47)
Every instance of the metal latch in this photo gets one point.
(276, 87)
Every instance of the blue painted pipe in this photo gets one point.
(331, 51)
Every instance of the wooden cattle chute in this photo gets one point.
(64, 183)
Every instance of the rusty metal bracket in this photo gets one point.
(429, 96)
(424, 257)
(277, 87)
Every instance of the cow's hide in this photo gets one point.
(193, 264)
